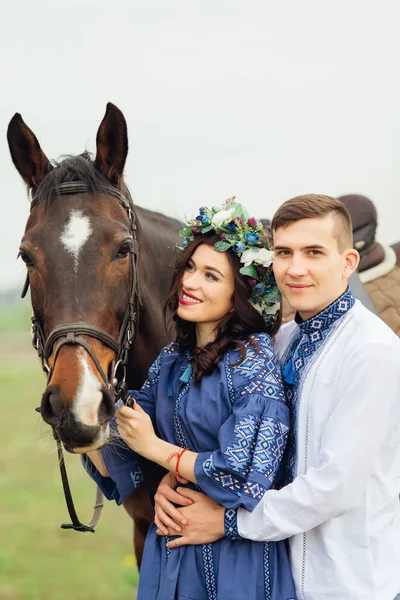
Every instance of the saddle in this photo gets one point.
(379, 268)
(396, 248)
(376, 260)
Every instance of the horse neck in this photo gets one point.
(157, 240)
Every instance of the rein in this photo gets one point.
(71, 334)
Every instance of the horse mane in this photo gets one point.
(69, 169)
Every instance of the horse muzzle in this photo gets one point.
(76, 435)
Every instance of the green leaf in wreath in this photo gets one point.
(186, 232)
(250, 271)
(222, 246)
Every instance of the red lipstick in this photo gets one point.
(185, 302)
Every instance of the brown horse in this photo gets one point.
(95, 262)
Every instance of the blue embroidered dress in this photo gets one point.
(237, 420)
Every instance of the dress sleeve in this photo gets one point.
(121, 462)
(252, 440)
(122, 465)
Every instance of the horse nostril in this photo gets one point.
(107, 407)
(52, 405)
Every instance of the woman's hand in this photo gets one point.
(168, 519)
(136, 429)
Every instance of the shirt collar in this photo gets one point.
(327, 316)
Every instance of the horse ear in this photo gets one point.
(112, 144)
(26, 153)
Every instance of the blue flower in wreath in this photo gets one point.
(259, 289)
(206, 218)
(238, 247)
(185, 243)
(271, 278)
(251, 238)
(232, 226)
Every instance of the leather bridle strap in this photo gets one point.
(70, 333)
(75, 522)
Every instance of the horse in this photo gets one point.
(99, 269)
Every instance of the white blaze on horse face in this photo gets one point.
(88, 396)
(75, 233)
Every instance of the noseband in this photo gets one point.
(71, 334)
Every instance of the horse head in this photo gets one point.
(80, 249)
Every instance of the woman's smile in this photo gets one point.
(188, 299)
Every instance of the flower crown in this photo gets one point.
(244, 236)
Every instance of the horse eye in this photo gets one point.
(25, 258)
(124, 250)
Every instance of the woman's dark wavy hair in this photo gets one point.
(235, 328)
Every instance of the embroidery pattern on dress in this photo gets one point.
(168, 550)
(258, 443)
(207, 552)
(225, 480)
(177, 422)
(154, 371)
(209, 572)
(136, 477)
(240, 453)
(259, 372)
(230, 524)
(253, 489)
(267, 575)
(304, 350)
(270, 445)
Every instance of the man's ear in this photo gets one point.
(352, 259)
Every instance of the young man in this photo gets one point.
(340, 506)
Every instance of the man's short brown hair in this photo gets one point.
(316, 206)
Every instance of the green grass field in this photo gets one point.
(38, 560)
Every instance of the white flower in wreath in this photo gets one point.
(267, 310)
(262, 257)
(258, 307)
(272, 310)
(221, 216)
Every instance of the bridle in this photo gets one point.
(71, 334)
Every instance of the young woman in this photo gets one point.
(212, 411)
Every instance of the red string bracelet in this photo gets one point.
(179, 455)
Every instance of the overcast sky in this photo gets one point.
(254, 98)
